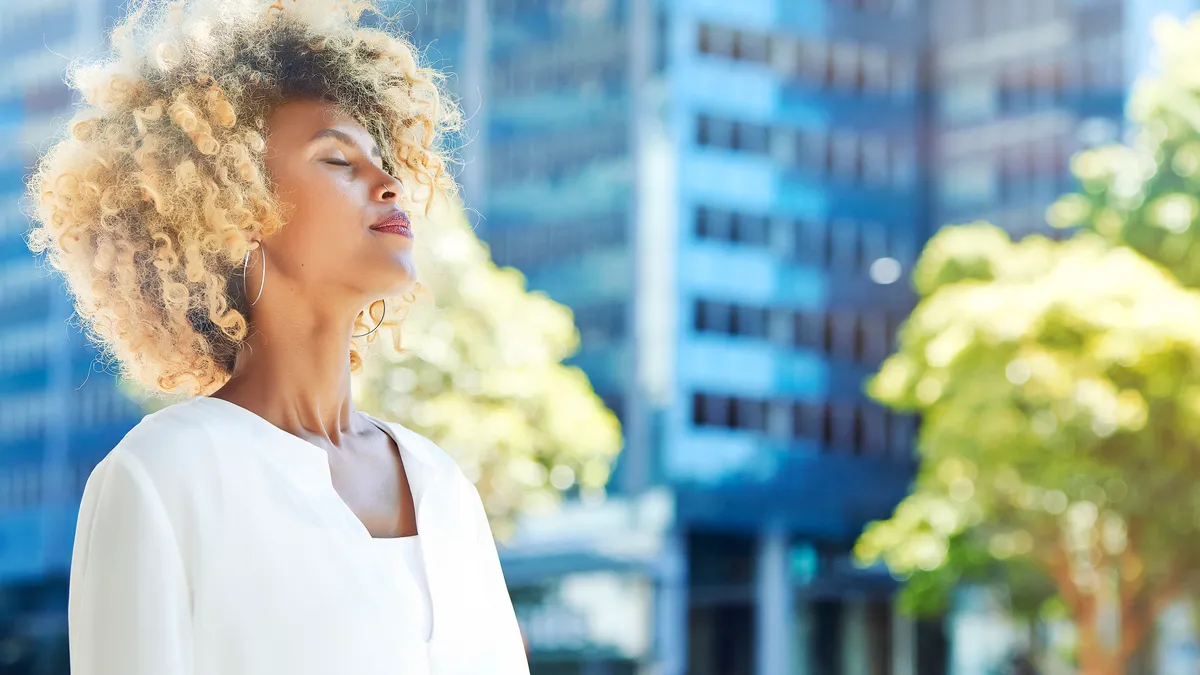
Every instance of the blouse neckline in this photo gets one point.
(417, 476)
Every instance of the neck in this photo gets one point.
(295, 373)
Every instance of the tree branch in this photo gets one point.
(1147, 606)
(1132, 570)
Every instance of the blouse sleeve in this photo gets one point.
(505, 632)
(129, 603)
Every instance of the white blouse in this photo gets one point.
(403, 556)
(211, 542)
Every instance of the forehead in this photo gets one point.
(293, 123)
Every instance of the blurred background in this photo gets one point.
(732, 199)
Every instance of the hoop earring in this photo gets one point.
(377, 324)
(262, 254)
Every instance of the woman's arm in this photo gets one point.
(129, 607)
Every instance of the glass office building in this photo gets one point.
(59, 410)
(729, 196)
(1021, 87)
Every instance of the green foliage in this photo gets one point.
(1144, 195)
(1059, 388)
(482, 374)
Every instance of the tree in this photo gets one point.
(481, 374)
(1144, 195)
(1059, 389)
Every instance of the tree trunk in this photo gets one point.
(1094, 659)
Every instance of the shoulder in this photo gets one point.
(421, 448)
(168, 445)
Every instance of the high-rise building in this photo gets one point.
(729, 196)
(1023, 85)
(59, 409)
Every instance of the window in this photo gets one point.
(714, 132)
(968, 99)
(1016, 88)
(845, 72)
(873, 240)
(814, 150)
(751, 229)
(21, 280)
(828, 423)
(530, 246)
(711, 411)
(752, 138)
(808, 421)
(815, 62)
(874, 422)
(858, 442)
(875, 166)
(903, 76)
(808, 330)
(901, 431)
(714, 40)
(730, 319)
(784, 147)
(739, 228)
(23, 416)
(748, 46)
(844, 251)
(812, 245)
(714, 224)
(714, 317)
(750, 321)
(742, 136)
(860, 341)
(27, 348)
(969, 183)
(748, 414)
(894, 323)
(843, 326)
(844, 155)
(1016, 173)
(845, 427)
(904, 164)
(874, 328)
(785, 56)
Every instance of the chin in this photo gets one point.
(403, 284)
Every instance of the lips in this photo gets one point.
(396, 223)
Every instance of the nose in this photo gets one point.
(389, 189)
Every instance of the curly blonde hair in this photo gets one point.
(151, 201)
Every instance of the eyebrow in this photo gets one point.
(344, 138)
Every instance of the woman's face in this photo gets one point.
(328, 172)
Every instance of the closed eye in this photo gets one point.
(337, 162)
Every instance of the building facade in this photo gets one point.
(729, 196)
(59, 410)
(1021, 87)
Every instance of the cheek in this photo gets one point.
(325, 227)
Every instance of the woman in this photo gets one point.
(231, 212)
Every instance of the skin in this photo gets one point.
(323, 267)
